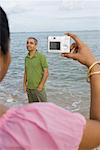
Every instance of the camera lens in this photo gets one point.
(54, 38)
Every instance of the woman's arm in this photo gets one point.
(95, 94)
(91, 135)
(85, 57)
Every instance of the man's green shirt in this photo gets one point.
(35, 69)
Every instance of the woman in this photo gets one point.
(45, 126)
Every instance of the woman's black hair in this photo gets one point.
(4, 32)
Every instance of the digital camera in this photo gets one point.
(59, 44)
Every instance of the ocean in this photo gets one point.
(66, 85)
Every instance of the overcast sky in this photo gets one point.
(52, 15)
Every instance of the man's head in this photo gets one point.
(4, 44)
(31, 44)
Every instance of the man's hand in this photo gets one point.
(24, 89)
(40, 87)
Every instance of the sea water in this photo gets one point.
(66, 85)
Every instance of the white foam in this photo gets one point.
(10, 100)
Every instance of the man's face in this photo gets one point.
(31, 45)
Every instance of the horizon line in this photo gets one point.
(55, 31)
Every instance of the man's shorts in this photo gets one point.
(36, 96)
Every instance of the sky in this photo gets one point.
(52, 15)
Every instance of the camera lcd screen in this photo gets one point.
(54, 45)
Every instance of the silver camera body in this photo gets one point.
(59, 44)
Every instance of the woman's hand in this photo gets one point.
(80, 51)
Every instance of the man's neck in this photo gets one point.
(32, 53)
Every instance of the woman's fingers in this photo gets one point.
(75, 38)
(71, 55)
(73, 48)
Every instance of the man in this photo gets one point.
(36, 73)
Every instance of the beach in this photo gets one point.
(66, 85)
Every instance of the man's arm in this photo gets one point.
(25, 80)
(44, 79)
